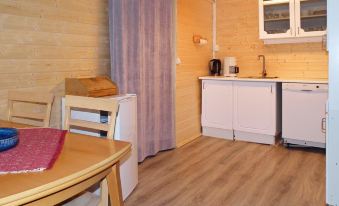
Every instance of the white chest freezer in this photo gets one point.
(304, 114)
(125, 130)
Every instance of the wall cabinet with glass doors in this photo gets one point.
(292, 20)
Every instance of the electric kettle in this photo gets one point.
(215, 67)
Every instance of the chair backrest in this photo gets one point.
(36, 98)
(100, 104)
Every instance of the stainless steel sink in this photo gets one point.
(258, 77)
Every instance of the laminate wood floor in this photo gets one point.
(215, 172)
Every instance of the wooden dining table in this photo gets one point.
(83, 162)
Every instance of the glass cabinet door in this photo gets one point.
(278, 18)
(311, 17)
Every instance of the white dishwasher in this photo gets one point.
(304, 114)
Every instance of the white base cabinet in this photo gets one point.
(241, 110)
(217, 109)
(257, 111)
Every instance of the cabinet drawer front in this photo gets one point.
(255, 107)
(217, 104)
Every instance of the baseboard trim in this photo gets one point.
(218, 133)
(186, 141)
(256, 138)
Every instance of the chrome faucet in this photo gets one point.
(263, 73)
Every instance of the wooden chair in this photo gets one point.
(35, 98)
(98, 104)
(91, 103)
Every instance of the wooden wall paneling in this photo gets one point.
(193, 17)
(43, 42)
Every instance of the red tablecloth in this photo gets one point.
(37, 150)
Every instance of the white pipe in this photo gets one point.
(214, 28)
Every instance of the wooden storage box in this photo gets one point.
(91, 87)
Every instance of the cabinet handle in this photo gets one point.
(298, 30)
(323, 125)
(271, 89)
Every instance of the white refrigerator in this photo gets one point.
(125, 130)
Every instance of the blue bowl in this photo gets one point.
(8, 138)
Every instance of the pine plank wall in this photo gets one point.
(44, 41)
(193, 17)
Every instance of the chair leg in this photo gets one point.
(114, 186)
(103, 193)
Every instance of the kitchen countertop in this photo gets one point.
(282, 80)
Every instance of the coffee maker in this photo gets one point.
(215, 67)
(230, 67)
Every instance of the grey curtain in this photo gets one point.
(142, 53)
